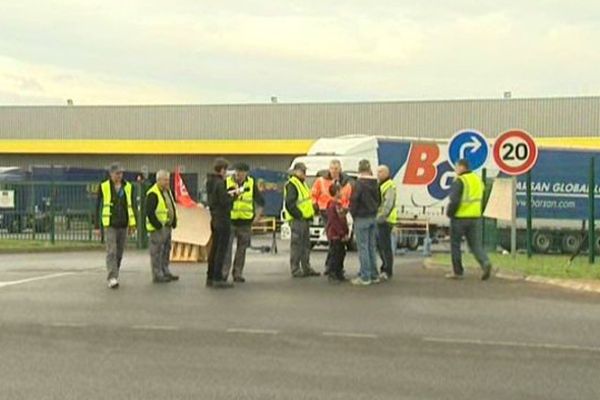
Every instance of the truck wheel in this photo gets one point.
(412, 242)
(541, 241)
(402, 241)
(571, 243)
(597, 244)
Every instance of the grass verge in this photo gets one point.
(40, 246)
(549, 266)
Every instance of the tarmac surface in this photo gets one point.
(64, 335)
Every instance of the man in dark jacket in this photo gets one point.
(364, 203)
(115, 213)
(161, 219)
(464, 211)
(220, 202)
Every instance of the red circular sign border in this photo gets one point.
(525, 167)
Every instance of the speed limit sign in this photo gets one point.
(515, 152)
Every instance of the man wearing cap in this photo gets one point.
(298, 212)
(161, 219)
(464, 210)
(114, 213)
(247, 207)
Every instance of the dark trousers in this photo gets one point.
(337, 254)
(384, 247)
(218, 249)
(323, 214)
(470, 228)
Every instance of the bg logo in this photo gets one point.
(421, 169)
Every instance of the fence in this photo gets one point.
(557, 209)
(56, 211)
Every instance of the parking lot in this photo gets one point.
(64, 335)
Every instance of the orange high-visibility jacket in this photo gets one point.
(320, 192)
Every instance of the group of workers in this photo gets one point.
(235, 203)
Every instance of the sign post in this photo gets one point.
(592, 213)
(516, 153)
(513, 219)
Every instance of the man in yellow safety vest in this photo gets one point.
(161, 219)
(247, 207)
(465, 211)
(114, 209)
(299, 212)
(387, 216)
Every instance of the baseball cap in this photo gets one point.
(299, 166)
(241, 167)
(115, 167)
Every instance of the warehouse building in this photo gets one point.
(265, 135)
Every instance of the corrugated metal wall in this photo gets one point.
(199, 164)
(439, 119)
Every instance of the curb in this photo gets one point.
(50, 250)
(581, 286)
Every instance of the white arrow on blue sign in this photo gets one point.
(470, 145)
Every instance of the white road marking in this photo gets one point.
(36, 278)
(68, 325)
(155, 327)
(351, 335)
(549, 346)
(253, 331)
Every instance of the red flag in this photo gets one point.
(181, 193)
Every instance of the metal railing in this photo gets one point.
(57, 211)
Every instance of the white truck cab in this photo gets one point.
(349, 150)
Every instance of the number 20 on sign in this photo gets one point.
(515, 152)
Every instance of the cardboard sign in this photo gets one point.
(500, 203)
(193, 226)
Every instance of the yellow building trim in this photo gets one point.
(588, 142)
(155, 147)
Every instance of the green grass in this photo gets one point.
(550, 266)
(30, 246)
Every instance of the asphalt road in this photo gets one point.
(64, 335)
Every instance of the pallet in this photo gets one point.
(184, 252)
(264, 225)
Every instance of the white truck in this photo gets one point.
(423, 177)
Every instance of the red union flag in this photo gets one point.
(181, 193)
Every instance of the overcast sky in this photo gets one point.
(225, 51)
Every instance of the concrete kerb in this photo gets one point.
(572, 284)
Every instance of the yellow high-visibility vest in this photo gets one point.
(107, 204)
(162, 211)
(472, 196)
(243, 205)
(389, 185)
(304, 201)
